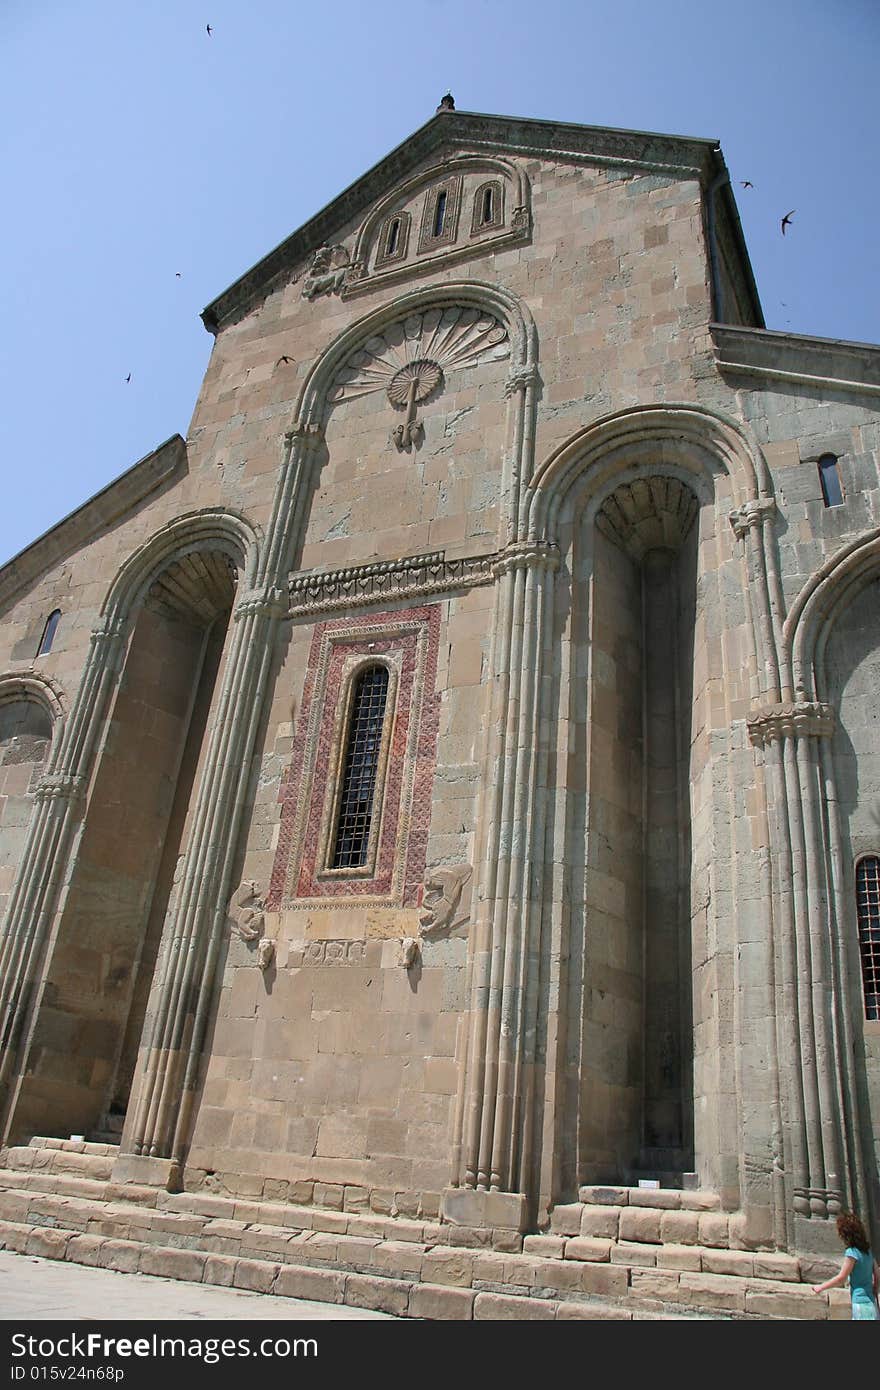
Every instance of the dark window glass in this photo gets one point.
(48, 636)
(393, 237)
(829, 477)
(488, 211)
(439, 213)
(868, 912)
(360, 768)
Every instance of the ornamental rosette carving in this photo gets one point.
(422, 346)
(794, 719)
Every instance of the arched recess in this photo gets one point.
(655, 659)
(832, 651)
(314, 406)
(136, 742)
(31, 721)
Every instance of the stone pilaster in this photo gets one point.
(169, 1083)
(492, 1175)
(789, 734)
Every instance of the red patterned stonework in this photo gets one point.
(406, 642)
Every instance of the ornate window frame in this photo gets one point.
(478, 226)
(452, 188)
(406, 642)
(384, 257)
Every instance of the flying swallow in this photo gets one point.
(786, 221)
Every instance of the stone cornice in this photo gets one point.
(413, 577)
(634, 151)
(821, 362)
(101, 511)
(795, 719)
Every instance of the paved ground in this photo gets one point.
(37, 1290)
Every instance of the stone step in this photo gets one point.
(85, 1160)
(77, 1146)
(624, 1279)
(647, 1216)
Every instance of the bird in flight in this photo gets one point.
(285, 358)
(746, 183)
(177, 274)
(786, 221)
(208, 30)
(128, 379)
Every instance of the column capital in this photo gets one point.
(304, 434)
(520, 378)
(527, 555)
(268, 602)
(59, 786)
(752, 513)
(791, 719)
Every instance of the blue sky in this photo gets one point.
(136, 146)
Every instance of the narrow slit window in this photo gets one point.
(440, 212)
(48, 636)
(487, 211)
(829, 477)
(393, 237)
(868, 913)
(360, 769)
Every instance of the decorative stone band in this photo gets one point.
(801, 719)
(520, 379)
(265, 603)
(304, 434)
(59, 786)
(363, 584)
(527, 555)
(751, 514)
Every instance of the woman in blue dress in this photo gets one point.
(859, 1267)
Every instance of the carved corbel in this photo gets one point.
(441, 898)
(327, 273)
(247, 915)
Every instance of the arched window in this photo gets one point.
(868, 913)
(488, 208)
(48, 636)
(360, 768)
(829, 477)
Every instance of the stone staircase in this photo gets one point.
(618, 1253)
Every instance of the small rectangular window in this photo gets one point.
(829, 477)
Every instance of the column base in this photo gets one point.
(143, 1171)
(817, 1236)
(465, 1206)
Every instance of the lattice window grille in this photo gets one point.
(360, 769)
(868, 911)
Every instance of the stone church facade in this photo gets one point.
(445, 787)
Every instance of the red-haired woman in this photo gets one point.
(859, 1267)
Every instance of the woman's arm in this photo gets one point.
(840, 1278)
